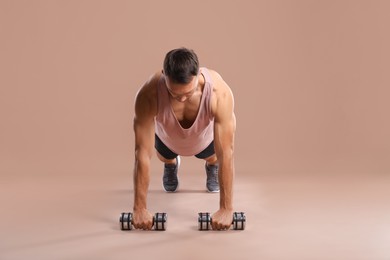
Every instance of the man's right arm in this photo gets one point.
(145, 107)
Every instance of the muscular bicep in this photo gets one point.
(144, 136)
(143, 124)
(224, 136)
(225, 124)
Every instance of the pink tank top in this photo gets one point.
(185, 141)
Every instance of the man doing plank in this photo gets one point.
(184, 110)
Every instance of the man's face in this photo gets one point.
(182, 92)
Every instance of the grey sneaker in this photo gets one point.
(212, 183)
(170, 180)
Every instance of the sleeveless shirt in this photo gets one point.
(185, 141)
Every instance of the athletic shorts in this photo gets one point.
(168, 154)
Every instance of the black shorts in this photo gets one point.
(168, 154)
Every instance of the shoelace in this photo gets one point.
(171, 174)
(212, 177)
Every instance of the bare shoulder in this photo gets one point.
(222, 94)
(146, 97)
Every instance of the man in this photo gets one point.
(184, 110)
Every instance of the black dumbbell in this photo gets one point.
(159, 221)
(204, 221)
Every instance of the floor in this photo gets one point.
(75, 216)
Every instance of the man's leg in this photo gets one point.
(212, 160)
(171, 165)
(211, 166)
(165, 160)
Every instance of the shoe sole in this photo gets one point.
(178, 165)
(212, 191)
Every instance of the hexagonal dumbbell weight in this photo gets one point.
(159, 221)
(204, 221)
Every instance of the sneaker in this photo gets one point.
(170, 180)
(212, 183)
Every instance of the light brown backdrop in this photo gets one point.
(310, 79)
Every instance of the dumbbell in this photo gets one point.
(204, 221)
(159, 221)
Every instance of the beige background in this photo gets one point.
(311, 84)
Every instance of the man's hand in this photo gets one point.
(142, 219)
(222, 219)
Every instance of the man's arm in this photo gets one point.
(144, 136)
(224, 128)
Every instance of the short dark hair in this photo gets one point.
(180, 65)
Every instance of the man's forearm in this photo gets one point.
(141, 183)
(226, 174)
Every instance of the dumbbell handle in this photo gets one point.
(205, 220)
(159, 221)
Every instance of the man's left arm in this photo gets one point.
(224, 129)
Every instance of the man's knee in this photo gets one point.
(207, 153)
(165, 160)
(211, 159)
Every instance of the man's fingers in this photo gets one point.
(143, 226)
(214, 225)
(139, 226)
(224, 227)
(148, 226)
(219, 226)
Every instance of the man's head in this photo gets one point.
(181, 68)
(181, 65)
